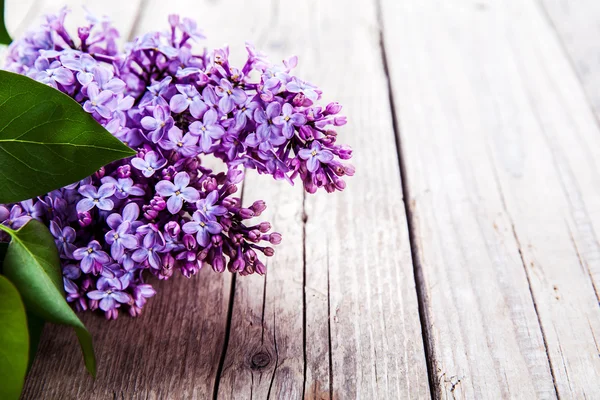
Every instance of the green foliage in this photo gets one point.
(4, 36)
(32, 265)
(14, 341)
(47, 140)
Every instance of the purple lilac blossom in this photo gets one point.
(163, 211)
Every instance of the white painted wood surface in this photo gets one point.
(498, 144)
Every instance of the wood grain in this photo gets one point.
(499, 147)
(578, 28)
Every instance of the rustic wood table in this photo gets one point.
(462, 261)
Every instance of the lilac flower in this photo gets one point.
(53, 73)
(267, 133)
(158, 124)
(184, 145)
(141, 293)
(84, 64)
(106, 80)
(98, 101)
(177, 191)
(96, 197)
(120, 239)
(130, 213)
(208, 130)
(149, 164)
(64, 238)
(208, 208)
(230, 96)
(33, 209)
(109, 297)
(124, 187)
(92, 257)
(188, 97)
(155, 94)
(148, 252)
(288, 120)
(299, 86)
(175, 105)
(203, 228)
(315, 155)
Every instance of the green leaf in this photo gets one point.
(35, 326)
(32, 265)
(14, 341)
(47, 140)
(4, 36)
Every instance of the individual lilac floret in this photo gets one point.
(315, 155)
(92, 257)
(149, 164)
(177, 192)
(203, 228)
(120, 239)
(160, 123)
(109, 297)
(207, 130)
(93, 197)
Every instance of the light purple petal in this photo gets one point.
(190, 194)
(131, 212)
(182, 179)
(105, 204)
(85, 205)
(312, 164)
(107, 303)
(149, 123)
(178, 103)
(191, 227)
(121, 297)
(174, 204)
(96, 294)
(165, 188)
(213, 227)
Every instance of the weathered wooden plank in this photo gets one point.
(499, 146)
(578, 27)
(171, 351)
(577, 23)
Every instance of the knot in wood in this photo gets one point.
(260, 360)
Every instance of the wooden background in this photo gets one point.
(462, 261)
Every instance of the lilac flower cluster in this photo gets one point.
(162, 210)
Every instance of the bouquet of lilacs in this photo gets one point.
(163, 210)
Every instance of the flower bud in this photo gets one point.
(174, 20)
(238, 264)
(344, 152)
(268, 251)
(260, 268)
(100, 173)
(158, 203)
(172, 228)
(246, 213)
(264, 227)
(124, 171)
(219, 264)
(333, 108)
(189, 241)
(349, 169)
(83, 33)
(275, 238)
(85, 219)
(340, 121)
(258, 207)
